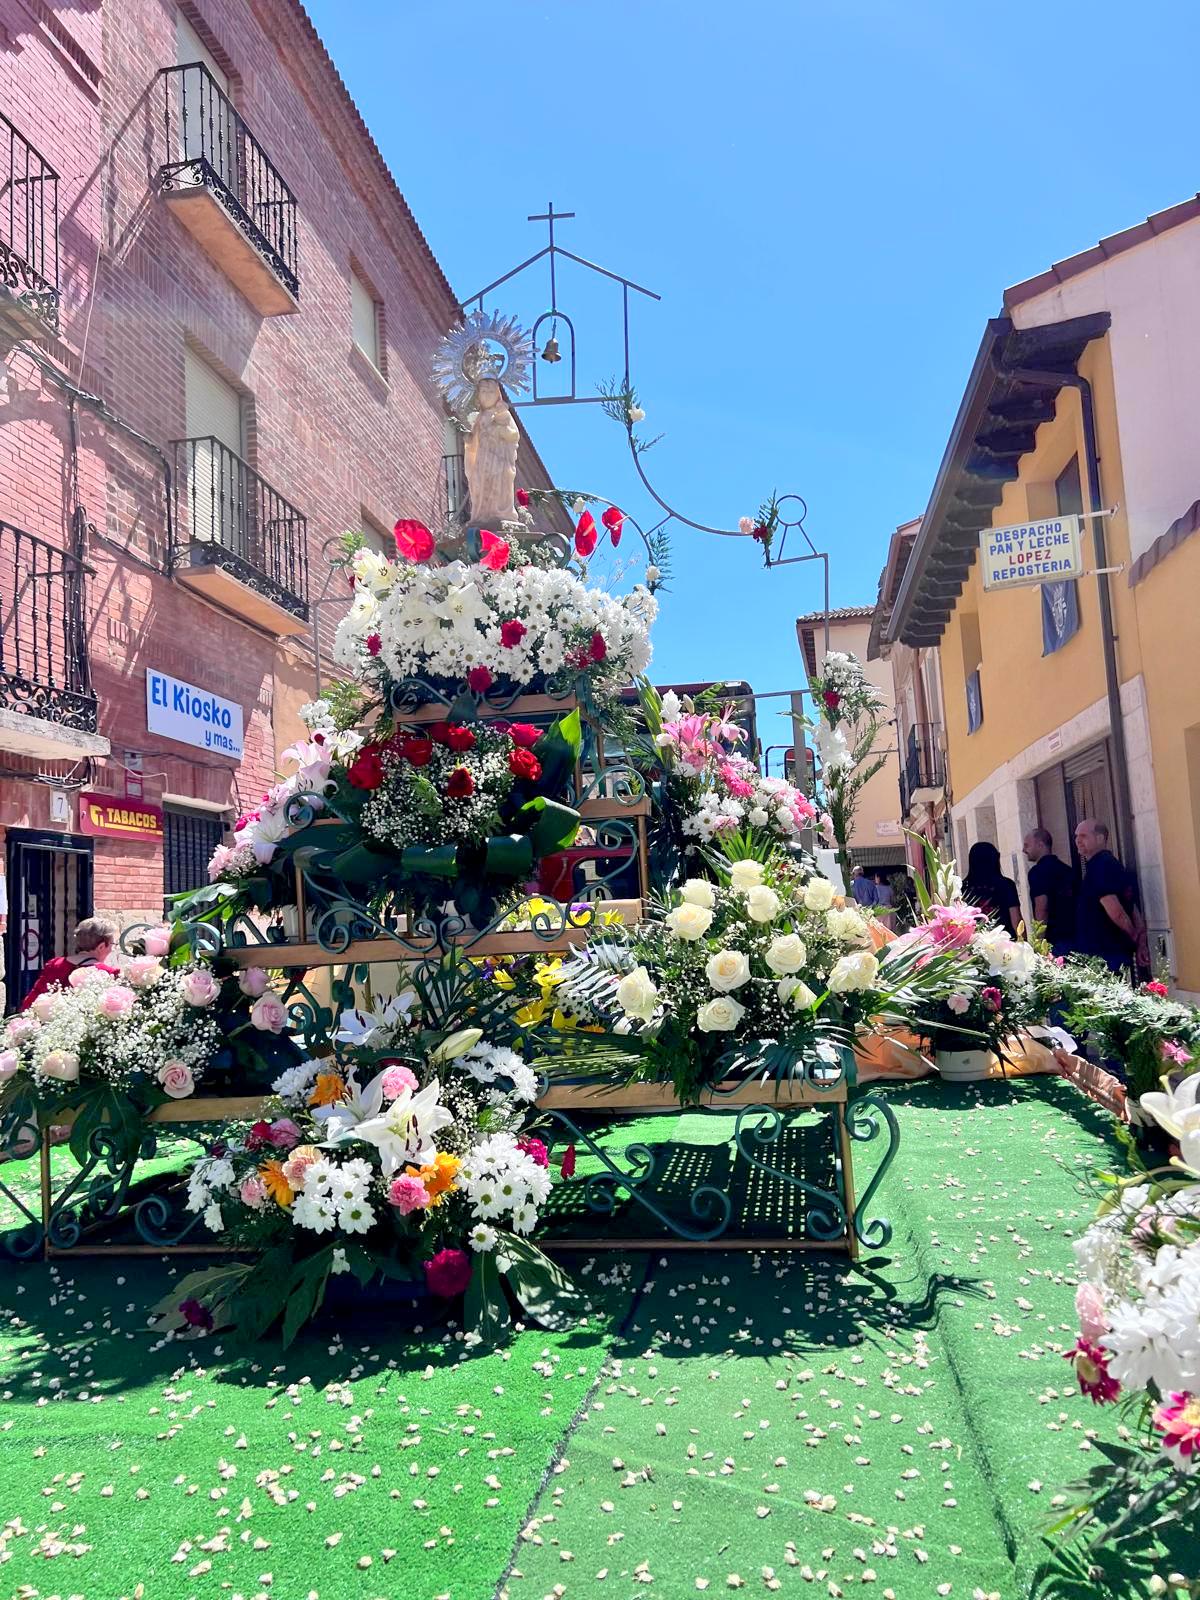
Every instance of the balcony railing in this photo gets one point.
(454, 483)
(28, 227)
(209, 146)
(924, 763)
(43, 647)
(230, 518)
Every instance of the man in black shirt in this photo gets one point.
(1104, 926)
(1052, 891)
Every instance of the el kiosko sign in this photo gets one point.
(179, 710)
(1031, 552)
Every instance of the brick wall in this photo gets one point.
(331, 434)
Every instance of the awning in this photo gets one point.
(996, 425)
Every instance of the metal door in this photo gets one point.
(50, 891)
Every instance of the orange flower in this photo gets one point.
(438, 1178)
(328, 1090)
(278, 1187)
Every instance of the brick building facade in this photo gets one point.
(216, 364)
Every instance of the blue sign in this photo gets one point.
(181, 711)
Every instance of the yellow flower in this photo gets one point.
(277, 1185)
(562, 1022)
(329, 1090)
(610, 918)
(503, 980)
(549, 974)
(533, 1012)
(439, 1178)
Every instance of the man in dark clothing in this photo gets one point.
(1052, 891)
(1104, 926)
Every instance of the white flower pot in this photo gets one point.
(963, 1066)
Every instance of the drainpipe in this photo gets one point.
(1116, 724)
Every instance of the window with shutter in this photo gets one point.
(205, 117)
(364, 320)
(216, 490)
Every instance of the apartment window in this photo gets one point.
(377, 538)
(365, 320)
(1060, 601)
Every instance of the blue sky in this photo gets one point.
(830, 199)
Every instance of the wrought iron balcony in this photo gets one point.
(28, 238)
(237, 539)
(43, 647)
(924, 775)
(224, 189)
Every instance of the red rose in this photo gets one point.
(459, 739)
(416, 749)
(598, 649)
(524, 734)
(448, 1273)
(511, 633)
(366, 770)
(438, 732)
(1155, 987)
(460, 784)
(374, 644)
(479, 680)
(832, 699)
(522, 497)
(585, 534)
(524, 764)
(414, 540)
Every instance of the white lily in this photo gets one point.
(1178, 1112)
(358, 1106)
(404, 1132)
(360, 1027)
(456, 1044)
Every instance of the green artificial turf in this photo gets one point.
(788, 1423)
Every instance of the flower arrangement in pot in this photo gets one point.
(765, 972)
(406, 1160)
(108, 1050)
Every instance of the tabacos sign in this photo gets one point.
(107, 817)
(180, 710)
(1031, 552)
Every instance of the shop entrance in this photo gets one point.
(49, 891)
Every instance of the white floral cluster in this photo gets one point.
(743, 798)
(259, 832)
(442, 621)
(503, 1184)
(151, 1022)
(491, 1064)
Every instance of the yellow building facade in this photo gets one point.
(1040, 728)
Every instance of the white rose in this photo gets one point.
(818, 894)
(847, 925)
(857, 971)
(762, 903)
(746, 874)
(795, 992)
(636, 995)
(787, 953)
(721, 1015)
(726, 970)
(698, 892)
(689, 922)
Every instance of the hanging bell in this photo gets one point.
(550, 353)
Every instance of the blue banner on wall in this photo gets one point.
(1060, 614)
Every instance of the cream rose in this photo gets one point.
(636, 995)
(61, 1064)
(795, 992)
(721, 1015)
(787, 953)
(726, 970)
(143, 971)
(818, 894)
(745, 875)
(852, 972)
(762, 903)
(9, 1062)
(176, 1079)
(846, 925)
(689, 922)
(698, 892)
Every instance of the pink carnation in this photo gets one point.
(253, 1192)
(1178, 1419)
(408, 1194)
(284, 1134)
(960, 1004)
(534, 1149)
(396, 1080)
(448, 1273)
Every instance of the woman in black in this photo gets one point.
(985, 886)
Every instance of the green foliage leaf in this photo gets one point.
(305, 1293)
(545, 1292)
(558, 751)
(554, 828)
(485, 1310)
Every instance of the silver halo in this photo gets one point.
(461, 359)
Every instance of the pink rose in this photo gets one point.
(408, 1194)
(396, 1080)
(269, 1013)
(61, 1064)
(19, 1029)
(143, 971)
(284, 1134)
(176, 1079)
(253, 981)
(45, 1006)
(82, 976)
(960, 1004)
(117, 1001)
(9, 1062)
(157, 941)
(252, 1192)
(297, 1164)
(199, 988)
